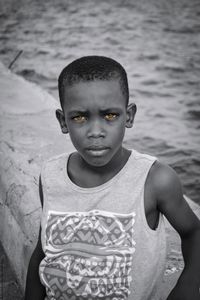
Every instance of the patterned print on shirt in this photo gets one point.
(88, 255)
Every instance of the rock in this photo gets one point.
(30, 134)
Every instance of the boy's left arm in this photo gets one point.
(171, 203)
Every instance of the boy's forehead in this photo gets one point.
(105, 90)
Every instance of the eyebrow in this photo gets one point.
(78, 111)
(110, 109)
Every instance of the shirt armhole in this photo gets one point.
(41, 191)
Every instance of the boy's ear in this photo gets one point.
(130, 114)
(61, 119)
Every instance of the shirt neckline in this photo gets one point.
(95, 188)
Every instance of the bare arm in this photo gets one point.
(34, 289)
(171, 203)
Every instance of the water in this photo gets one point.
(157, 42)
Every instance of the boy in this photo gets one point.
(102, 230)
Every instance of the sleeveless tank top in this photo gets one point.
(96, 241)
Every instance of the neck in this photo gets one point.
(115, 164)
(87, 176)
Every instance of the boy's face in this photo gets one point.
(95, 115)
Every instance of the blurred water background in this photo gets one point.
(158, 43)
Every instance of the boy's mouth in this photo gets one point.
(97, 150)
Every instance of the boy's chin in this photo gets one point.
(97, 161)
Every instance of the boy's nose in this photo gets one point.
(96, 130)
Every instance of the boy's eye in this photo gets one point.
(110, 117)
(79, 119)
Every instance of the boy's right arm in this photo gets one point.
(34, 289)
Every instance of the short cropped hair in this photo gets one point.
(90, 68)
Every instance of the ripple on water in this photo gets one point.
(183, 30)
(173, 69)
(153, 93)
(153, 57)
(194, 114)
(150, 82)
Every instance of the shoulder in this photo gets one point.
(51, 165)
(163, 175)
(142, 156)
(50, 169)
(164, 182)
(54, 159)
